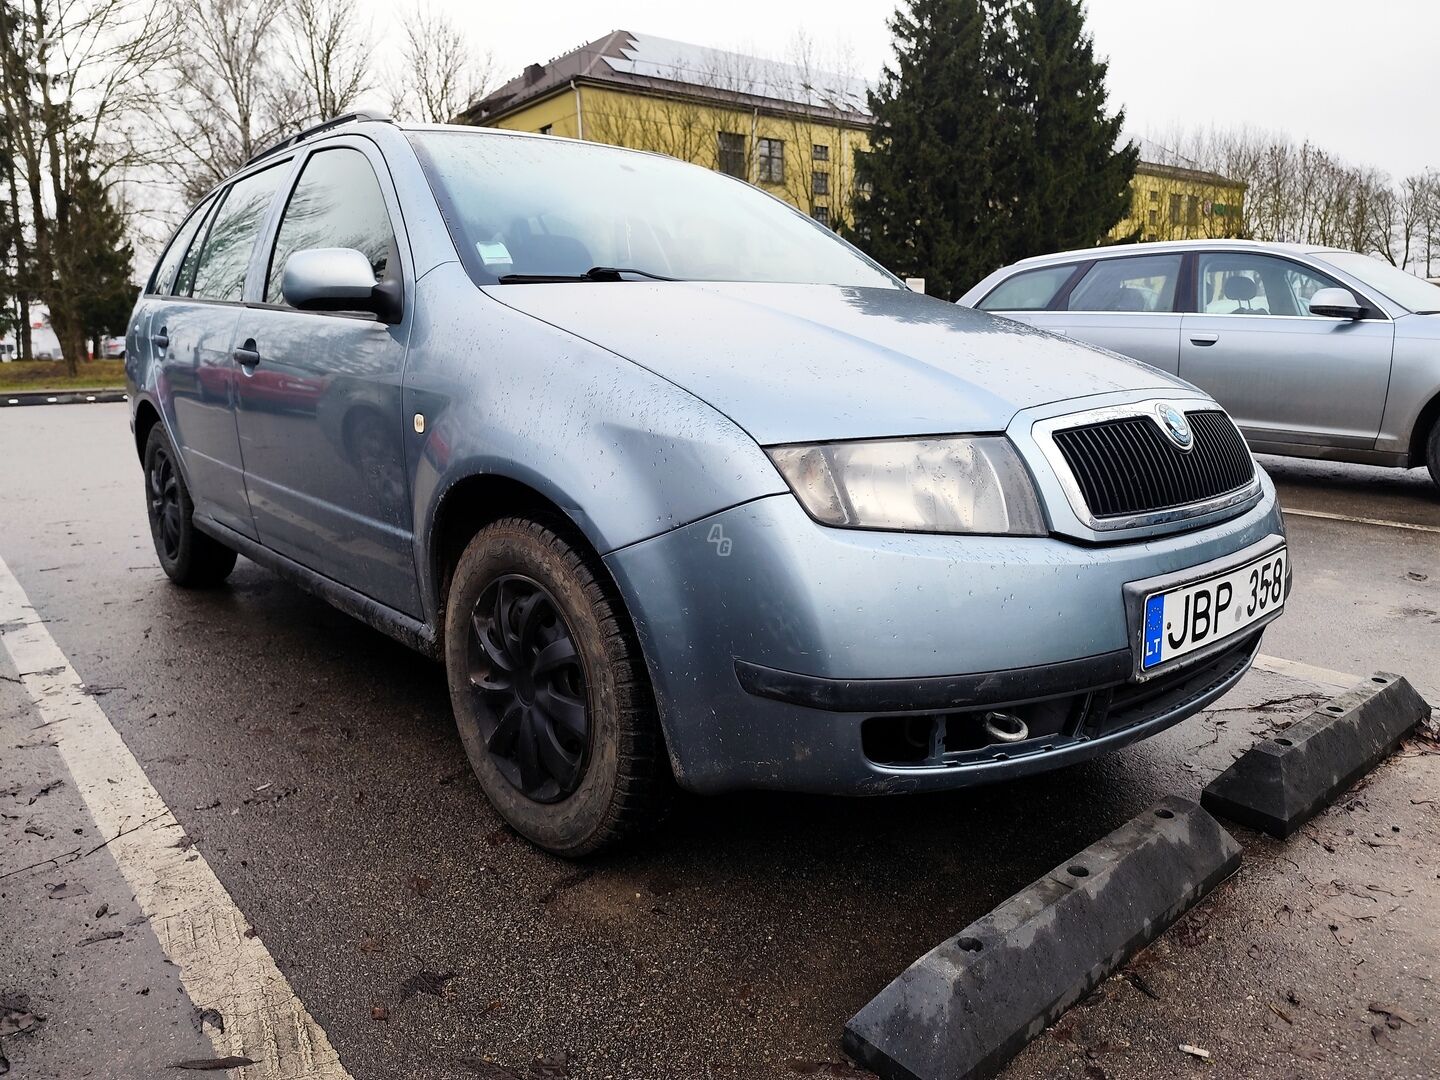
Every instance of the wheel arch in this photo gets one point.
(1424, 424)
(471, 502)
(146, 417)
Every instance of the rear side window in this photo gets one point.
(337, 203)
(1142, 283)
(219, 272)
(1029, 291)
(164, 275)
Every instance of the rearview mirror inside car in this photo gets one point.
(1336, 304)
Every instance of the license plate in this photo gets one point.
(1190, 617)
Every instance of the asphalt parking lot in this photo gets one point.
(315, 766)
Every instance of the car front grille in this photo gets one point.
(1127, 465)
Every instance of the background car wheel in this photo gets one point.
(187, 556)
(550, 691)
(1432, 452)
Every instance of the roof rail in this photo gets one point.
(325, 125)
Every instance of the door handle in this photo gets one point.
(1204, 339)
(161, 340)
(247, 355)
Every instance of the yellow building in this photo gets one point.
(1175, 199)
(792, 131)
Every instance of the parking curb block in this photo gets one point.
(1282, 782)
(969, 1005)
(18, 398)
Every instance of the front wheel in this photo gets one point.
(187, 556)
(1432, 451)
(550, 691)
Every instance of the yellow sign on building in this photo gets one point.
(789, 130)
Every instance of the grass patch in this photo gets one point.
(50, 375)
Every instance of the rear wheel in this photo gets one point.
(187, 556)
(550, 692)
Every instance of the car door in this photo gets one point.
(191, 334)
(318, 393)
(1286, 376)
(1123, 303)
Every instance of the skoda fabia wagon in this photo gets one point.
(680, 487)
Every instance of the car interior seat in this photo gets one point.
(1243, 290)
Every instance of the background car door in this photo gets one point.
(192, 333)
(1286, 376)
(1125, 304)
(319, 412)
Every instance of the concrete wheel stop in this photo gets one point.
(969, 1005)
(1280, 783)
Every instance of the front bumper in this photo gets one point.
(788, 655)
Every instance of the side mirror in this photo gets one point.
(338, 279)
(1336, 304)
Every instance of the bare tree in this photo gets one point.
(231, 99)
(329, 50)
(78, 87)
(441, 71)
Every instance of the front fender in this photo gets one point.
(624, 453)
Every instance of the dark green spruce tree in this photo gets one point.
(1064, 173)
(96, 257)
(925, 208)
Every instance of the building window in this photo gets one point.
(1154, 217)
(1154, 195)
(546, 129)
(1192, 217)
(732, 154)
(1176, 208)
(772, 161)
(820, 183)
(822, 215)
(820, 152)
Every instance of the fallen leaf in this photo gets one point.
(101, 910)
(425, 982)
(12, 1023)
(102, 935)
(66, 889)
(1308, 1053)
(379, 1012)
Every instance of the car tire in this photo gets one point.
(188, 556)
(550, 691)
(1432, 451)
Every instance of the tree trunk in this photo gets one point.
(72, 339)
(23, 337)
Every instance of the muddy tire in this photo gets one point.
(550, 692)
(188, 556)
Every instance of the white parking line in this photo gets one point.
(201, 930)
(1330, 680)
(1363, 520)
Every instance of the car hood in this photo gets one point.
(799, 363)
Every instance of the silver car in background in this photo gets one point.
(1315, 353)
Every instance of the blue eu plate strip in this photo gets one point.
(1154, 629)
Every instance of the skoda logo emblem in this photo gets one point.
(1174, 424)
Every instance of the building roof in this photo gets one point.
(1158, 160)
(644, 62)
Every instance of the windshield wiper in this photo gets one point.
(595, 273)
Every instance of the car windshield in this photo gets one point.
(539, 207)
(1407, 290)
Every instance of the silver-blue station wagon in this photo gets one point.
(680, 487)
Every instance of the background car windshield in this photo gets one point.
(538, 206)
(1407, 290)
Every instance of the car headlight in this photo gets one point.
(954, 484)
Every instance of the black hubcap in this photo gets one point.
(165, 503)
(529, 688)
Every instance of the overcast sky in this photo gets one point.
(1358, 79)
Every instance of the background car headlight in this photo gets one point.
(942, 485)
